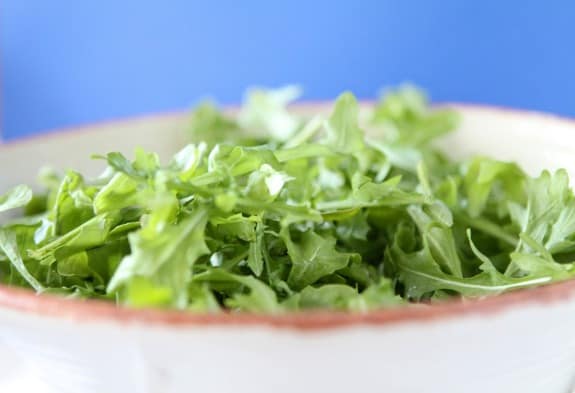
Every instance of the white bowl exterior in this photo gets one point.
(528, 349)
(518, 349)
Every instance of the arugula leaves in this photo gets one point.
(17, 197)
(271, 212)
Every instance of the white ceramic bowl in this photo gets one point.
(518, 342)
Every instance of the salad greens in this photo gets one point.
(268, 211)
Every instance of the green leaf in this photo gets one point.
(236, 226)
(312, 258)
(9, 245)
(121, 164)
(146, 162)
(264, 112)
(73, 205)
(255, 256)
(208, 125)
(438, 239)
(90, 234)
(406, 119)
(17, 197)
(187, 161)
(421, 276)
(378, 295)
(548, 216)
(202, 300)
(344, 297)
(329, 296)
(482, 177)
(120, 192)
(366, 193)
(344, 134)
(266, 183)
(164, 253)
(259, 297)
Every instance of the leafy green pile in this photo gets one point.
(269, 212)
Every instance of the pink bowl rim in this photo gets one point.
(48, 305)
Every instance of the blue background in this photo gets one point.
(67, 62)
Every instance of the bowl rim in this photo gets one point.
(22, 300)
